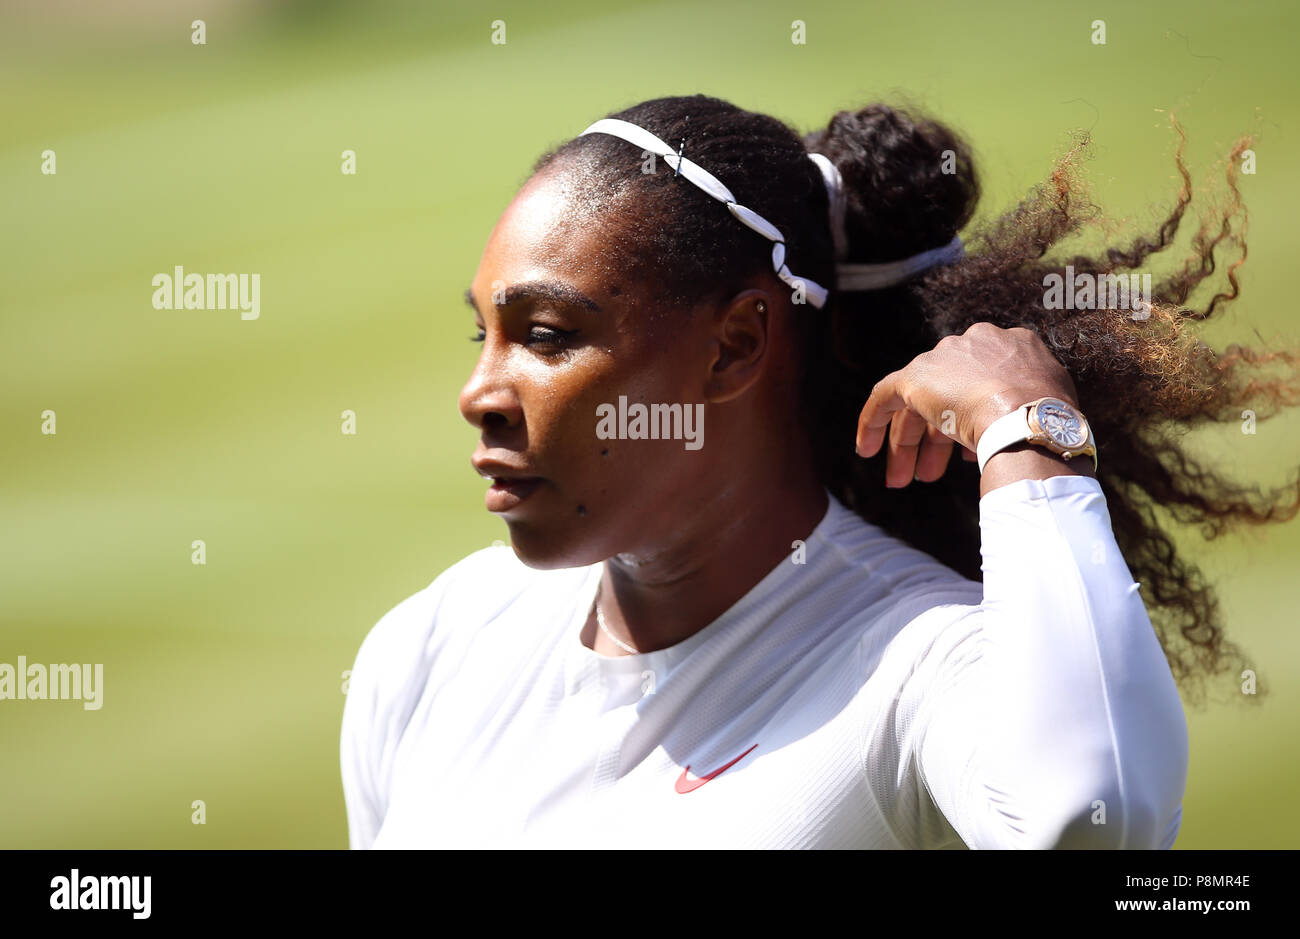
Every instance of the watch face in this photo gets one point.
(1062, 423)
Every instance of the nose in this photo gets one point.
(489, 399)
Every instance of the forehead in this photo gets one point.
(555, 228)
(544, 220)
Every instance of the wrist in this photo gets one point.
(1028, 461)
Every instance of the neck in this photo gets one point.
(724, 550)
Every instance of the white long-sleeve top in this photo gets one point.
(869, 697)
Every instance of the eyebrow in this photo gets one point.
(540, 290)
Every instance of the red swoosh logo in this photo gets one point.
(685, 785)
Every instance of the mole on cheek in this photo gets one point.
(582, 511)
(605, 452)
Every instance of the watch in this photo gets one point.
(1047, 422)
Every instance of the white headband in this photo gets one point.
(848, 276)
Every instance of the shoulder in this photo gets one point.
(901, 583)
(415, 644)
(916, 618)
(923, 628)
(394, 664)
(469, 593)
(910, 615)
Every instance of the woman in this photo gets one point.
(719, 391)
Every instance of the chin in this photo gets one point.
(549, 547)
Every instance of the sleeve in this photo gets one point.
(1052, 720)
(383, 689)
(361, 794)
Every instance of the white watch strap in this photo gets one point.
(1002, 433)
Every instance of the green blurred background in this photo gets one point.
(223, 682)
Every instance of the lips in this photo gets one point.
(511, 483)
(506, 493)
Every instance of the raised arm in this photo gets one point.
(1063, 728)
(1055, 720)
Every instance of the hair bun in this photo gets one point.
(909, 183)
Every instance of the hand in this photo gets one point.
(949, 395)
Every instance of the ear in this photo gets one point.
(741, 335)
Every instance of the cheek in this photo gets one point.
(609, 428)
(608, 493)
(560, 402)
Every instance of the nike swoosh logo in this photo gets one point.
(686, 784)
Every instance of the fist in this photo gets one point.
(947, 397)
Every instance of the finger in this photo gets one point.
(884, 401)
(936, 452)
(906, 432)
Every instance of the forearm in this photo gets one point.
(1068, 730)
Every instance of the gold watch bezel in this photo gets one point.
(1040, 437)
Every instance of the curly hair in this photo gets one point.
(911, 185)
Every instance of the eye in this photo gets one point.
(550, 336)
(479, 337)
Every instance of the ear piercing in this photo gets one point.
(762, 307)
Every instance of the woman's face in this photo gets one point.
(563, 335)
